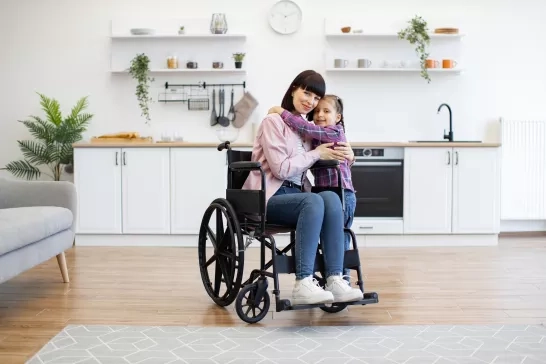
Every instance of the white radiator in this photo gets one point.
(523, 170)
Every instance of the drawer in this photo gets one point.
(366, 226)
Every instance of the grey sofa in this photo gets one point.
(37, 222)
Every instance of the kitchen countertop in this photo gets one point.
(147, 144)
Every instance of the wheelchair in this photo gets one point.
(243, 213)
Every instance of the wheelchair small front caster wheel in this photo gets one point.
(250, 308)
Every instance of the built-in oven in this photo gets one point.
(378, 178)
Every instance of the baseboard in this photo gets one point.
(283, 239)
(522, 234)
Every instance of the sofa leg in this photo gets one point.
(62, 264)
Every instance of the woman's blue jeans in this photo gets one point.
(317, 216)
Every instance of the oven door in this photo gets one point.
(379, 186)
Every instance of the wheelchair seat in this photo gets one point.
(242, 213)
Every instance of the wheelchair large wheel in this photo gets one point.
(228, 252)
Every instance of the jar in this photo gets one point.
(172, 62)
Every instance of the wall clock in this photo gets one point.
(285, 17)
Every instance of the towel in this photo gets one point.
(243, 109)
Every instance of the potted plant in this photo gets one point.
(238, 57)
(181, 30)
(417, 34)
(140, 71)
(54, 138)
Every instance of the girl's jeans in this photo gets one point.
(316, 216)
(350, 206)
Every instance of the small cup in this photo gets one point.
(364, 63)
(191, 64)
(431, 63)
(449, 63)
(340, 63)
(217, 65)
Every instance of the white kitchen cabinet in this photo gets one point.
(427, 190)
(476, 191)
(146, 190)
(122, 190)
(97, 176)
(451, 190)
(198, 176)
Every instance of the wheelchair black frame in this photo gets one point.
(250, 208)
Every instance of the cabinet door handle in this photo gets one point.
(456, 158)
(448, 158)
(124, 161)
(117, 158)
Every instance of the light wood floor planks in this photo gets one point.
(162, 286)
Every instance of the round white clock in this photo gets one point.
(285, 17)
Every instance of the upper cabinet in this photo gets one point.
(452, 190)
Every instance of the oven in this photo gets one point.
(378, 178)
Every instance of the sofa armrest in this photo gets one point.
(18, 193)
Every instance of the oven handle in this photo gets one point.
(376, 164)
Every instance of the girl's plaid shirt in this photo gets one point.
(326, 177)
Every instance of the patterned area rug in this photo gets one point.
(288, 345)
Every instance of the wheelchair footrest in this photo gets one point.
(286, 305)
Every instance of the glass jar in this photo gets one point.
(172, 62)
(218, 23)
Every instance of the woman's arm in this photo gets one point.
(326, 134)
(276, 152)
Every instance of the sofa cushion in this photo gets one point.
(21, 226)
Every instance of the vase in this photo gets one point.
(218, 23)
(238, 64)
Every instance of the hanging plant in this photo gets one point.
(140, 71)
(417, 34)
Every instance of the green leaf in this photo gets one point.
(36, 153)
(52, 109)
(22, 169)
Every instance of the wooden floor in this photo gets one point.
(162, 286)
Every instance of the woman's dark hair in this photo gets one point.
(339, 109)
(307, 80)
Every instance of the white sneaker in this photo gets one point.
(341, 290)
(307, 291)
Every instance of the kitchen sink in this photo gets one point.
(445, 141)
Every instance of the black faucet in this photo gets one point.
(448, 136)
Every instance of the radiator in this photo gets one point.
(523, 170)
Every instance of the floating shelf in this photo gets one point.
(389, 35)
(190, 70)
(182, 36)
(430, 70)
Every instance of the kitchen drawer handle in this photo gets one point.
(377, 164)
(365, 227)
(124, 161)
(448, 158)
(117, 158)
(456, 158)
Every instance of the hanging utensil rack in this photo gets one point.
(205, 85)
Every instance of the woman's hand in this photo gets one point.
(346, 149)
(327, 153)
(275, 110)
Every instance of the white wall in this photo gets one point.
(62, 48)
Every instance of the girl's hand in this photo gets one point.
(275, 110)
(327, 153)
(345, 148)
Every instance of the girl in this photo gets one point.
(328, 127)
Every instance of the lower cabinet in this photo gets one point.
(123, 190)
(452, 190)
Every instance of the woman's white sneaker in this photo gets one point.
(307, 291)
(341, 290)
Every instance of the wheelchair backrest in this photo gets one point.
(238, 178)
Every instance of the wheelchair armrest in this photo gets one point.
(239, 166)
(330, 163)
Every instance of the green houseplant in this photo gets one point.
(54, 138)
(417, 34)
(140, 69)
(238, 57)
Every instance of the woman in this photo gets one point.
(285, 158)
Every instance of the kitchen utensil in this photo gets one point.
(231, 112)
(213, 117)
(222, 120)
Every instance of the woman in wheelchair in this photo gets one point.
(317, 217)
